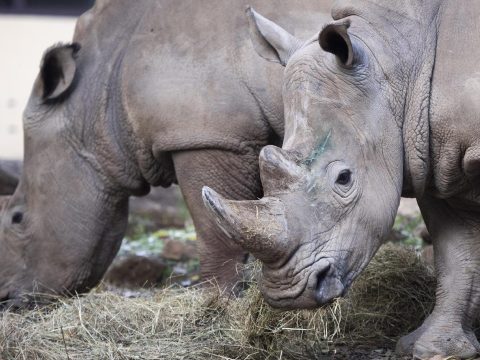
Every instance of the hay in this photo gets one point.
(392, 297)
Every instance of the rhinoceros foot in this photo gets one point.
(434, 339)
(446, 341)
(406, 343)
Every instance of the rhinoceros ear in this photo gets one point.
(269, 40)
(334, 38)
(57, 71)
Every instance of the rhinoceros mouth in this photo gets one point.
(324, 282)
(314, 286)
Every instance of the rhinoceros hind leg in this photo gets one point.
(456, 239)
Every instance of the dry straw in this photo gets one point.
(391, 298)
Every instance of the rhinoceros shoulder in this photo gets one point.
(455, 105)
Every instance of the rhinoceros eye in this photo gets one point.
(344, 177)
(17, 218)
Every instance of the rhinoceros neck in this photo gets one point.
(105, 131)
(417, 111)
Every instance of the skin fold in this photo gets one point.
(382, 103)
(149, 93)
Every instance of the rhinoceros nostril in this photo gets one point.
(322, 274)
(329, 284)
(321, 280)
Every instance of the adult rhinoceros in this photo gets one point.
(149, 93)
(386, 102)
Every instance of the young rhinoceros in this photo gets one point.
(150, 93)
(387, 104)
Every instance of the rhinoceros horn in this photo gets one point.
(258, 226)
(279, 170)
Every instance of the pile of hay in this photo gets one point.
(391, 298)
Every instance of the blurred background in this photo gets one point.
(27, 28)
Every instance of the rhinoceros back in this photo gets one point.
(184, 74)
(188, 66)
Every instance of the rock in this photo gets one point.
(137, 272)
(395, 236)
(179, 250)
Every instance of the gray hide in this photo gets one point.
(386, 102)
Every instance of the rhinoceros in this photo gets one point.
(149, 93)
(384, 102)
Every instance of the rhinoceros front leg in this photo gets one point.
(448, 330)
(235, 176)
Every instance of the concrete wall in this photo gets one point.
(23, 39)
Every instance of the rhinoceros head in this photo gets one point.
(332, 190)
(61, 228)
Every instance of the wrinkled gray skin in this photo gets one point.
(150, 93)
(387, 104)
